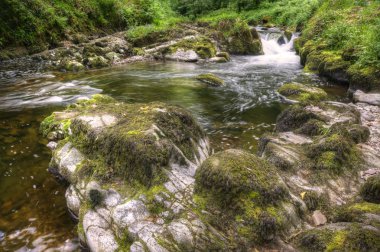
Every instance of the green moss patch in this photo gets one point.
(302, 93)
(140, 141)
(370, 191)
(247, 190)
(210, 79)
(353, 237)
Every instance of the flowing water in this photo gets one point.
(33, 214)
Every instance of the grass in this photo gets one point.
(290, 13)
(31, 23)
(348, 29)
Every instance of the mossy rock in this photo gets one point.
(97, 62)
(370, 190)
(239, 38)
(345, 237)
(247, 191)
(210, 79)
(334, 153)
(225, 55)
(132, 142)
(293, 118)
(302, 93)
(203, 46)
(355, 212)
(232, 173)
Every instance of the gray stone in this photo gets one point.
(369, 98)
(99, 237)
(52, 145)
(137, 247)
(319, 218)
(183, 55)
(73, 199)
(126, 214)
(181, 234)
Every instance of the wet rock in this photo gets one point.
(302, 93)
(218, 60)
(319, 218)
(225, 55)
(369, 98)
(183, 55)
(72, 66)
(73, 199)
(97, 62)
(52, 145)
(210, 79)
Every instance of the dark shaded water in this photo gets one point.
(33, 211)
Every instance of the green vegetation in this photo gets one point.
(302, 93)
(370, 191)
(342, 37)
(351, 238)
(247, 190)
(41, 23)
(210, 79)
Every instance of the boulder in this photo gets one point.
(241, 188)
(302, 93)
(369, 98)
(210, 79)
(131, 172)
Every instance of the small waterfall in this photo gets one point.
(271, 45)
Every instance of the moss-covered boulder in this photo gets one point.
(252, 199)
(201, 46)
(302, 93)
(370, 190)
(210, 79)
(238, 37)
(131, 172)
(340, 237)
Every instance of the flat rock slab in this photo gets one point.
(369, 98)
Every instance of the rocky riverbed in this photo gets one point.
(144, 176)
(142, 179)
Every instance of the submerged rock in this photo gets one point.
(210, 79)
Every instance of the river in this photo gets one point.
(33, 214)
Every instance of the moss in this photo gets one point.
(203, 46)
(237, 36)
(334, 152)
(247, 192)
(312, 127)
(302, 93)
(354, 212)
(352, 238)
(293, 118)
(48, 125)
(225, 55)
(210, 79)
(370, 190)
(355, 132)
(139, 145)
(95, 197)
(231, 173)
(311, 200)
